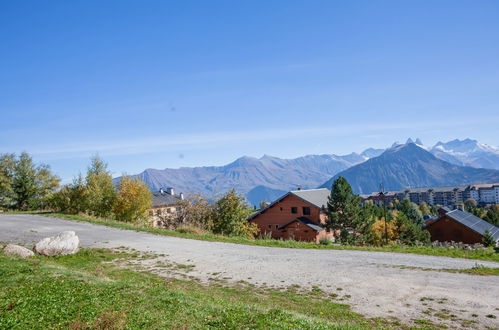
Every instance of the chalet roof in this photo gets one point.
(316, 197)
(473, 222)
(306, 222)
(164, 199)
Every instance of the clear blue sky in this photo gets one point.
(186, 83)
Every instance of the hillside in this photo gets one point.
(259, 179)
(409, 165)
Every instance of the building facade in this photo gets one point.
(447, 196)
(460, 226)
(296, 215)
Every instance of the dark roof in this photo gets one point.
(306, 222)
(316, 197)
(164, 199)
(474, 223)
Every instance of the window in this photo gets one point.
(276, 226)
(294, 210)
(270, 226)
(281, 209)
(306, 210)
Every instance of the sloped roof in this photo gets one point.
(163, 199)
(474, 223)
(306, 222)
(316, 197)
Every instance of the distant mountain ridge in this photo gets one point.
(259, 179)
(409, 165)
(268, 177)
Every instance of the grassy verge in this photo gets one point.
(86, 291)
(482, 254)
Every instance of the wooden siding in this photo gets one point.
(280, 214)
(447, 229)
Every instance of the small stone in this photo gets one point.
(17, 251)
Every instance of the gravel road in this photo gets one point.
(380, 284)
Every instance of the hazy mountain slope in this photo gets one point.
(271, 175)
(262, 193)
(409, 165)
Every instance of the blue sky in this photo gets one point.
(156, 84)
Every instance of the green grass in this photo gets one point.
(86, 291)
(487, 254)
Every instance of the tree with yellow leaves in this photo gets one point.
(378, 231)
(132, 200)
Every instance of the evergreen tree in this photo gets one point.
(7, 165)
(31, 184)
(411, 211)
(492, 215)
(343, 208)
(488, 239)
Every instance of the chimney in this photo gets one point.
(170, 191)
(161, 191)
(181, 196)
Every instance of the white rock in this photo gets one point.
(17, 251)
(62, 244)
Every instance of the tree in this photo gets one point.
(470, 204)
(492, 215)
(132, 201)
(230, 216)
(100, 188)
(424, 208)
(7, 165)
(31, 183)
(380, 228)
(195, 211)
(488, 239)
(343, 209)
(411, 211)
(410, 232)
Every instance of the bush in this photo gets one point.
(189, 229)
(325, 241)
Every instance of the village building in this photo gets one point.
(165, 204)
(459, 226)
(297, 215)
(483, 194)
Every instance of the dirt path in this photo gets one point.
(373, 283)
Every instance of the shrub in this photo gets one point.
(325, 241)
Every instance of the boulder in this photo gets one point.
(62, 244)
(17, 251)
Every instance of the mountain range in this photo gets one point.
(268, 177)
(409, 165)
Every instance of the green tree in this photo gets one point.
(488, 239)
(100, 189)
(492, 215)
(410, 232)
(411, 211)
(343, 208)
(31, 184)
(424, 208)
(230, 216)
(132, 201)
(7, 166)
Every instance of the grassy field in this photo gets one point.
(87, 291)
(483, 254)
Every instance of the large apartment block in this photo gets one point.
(446, 196)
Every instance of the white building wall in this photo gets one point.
(487, 195)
